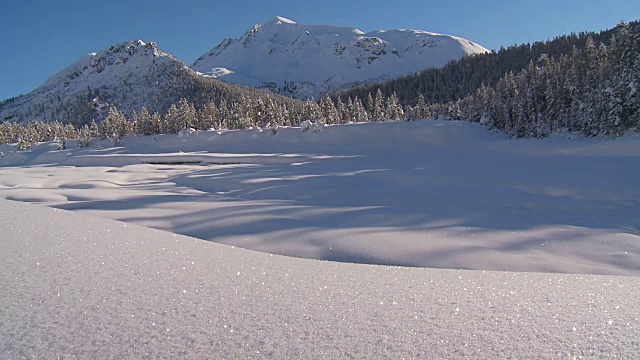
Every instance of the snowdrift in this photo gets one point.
(77, 286)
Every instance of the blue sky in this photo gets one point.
(39, 38)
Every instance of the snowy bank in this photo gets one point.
(76, 286)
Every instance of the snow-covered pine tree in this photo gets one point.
(625, 77)
(233, 120)
(328, 110)
(289, 117)
(172, 121)
(273, 113)
(158, 124)
(70, 132)
(244, 113)
(377, 111)
(259, 114)
(144, 125)
(94, 129)
(341, 111)
(311, 111)
(370, 105)
(132, 125)
(349, 112)
(359, 111)
(114, 126)
(186, 114)
(208, 116)
(224, 115)
(393, 110)
(420, 110)
(84, 136)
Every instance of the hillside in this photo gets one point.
(463, 77)
(130, 76)
(307, 61)
(586, 84)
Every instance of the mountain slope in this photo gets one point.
(471, 73)
(129, 75)
(305, 61)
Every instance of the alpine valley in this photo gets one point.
(298, 61)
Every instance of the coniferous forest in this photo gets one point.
(587, 83)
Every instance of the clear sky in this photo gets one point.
(41, 37)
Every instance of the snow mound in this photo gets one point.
(185, 133)
(76, 286)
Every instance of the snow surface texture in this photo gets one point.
(307, 61)
(427, 193)
(75, 286)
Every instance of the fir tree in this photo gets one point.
(172, 121)
(377, 111)
(144, 125)
(114, 126)
(208, 117)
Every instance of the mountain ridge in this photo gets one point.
(307, 61)
(130, 75)
(96, 80)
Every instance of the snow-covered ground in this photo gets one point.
(427, 193)
(76, 284)
(82, 287)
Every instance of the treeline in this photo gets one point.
(247, 113)
(595, 90)
(34, 132)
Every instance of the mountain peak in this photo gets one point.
(135, 68)
(279, 20)
(308, 61)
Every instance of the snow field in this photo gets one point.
(426, 193)
(78, 286)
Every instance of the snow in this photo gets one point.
(299, 60)
(279, 20)
(307, 61)
(78, 286)
(427, 193)
(93, 283)
(133, 65)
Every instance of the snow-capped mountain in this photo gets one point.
(129, 75)
(300, 61)
(306, 61)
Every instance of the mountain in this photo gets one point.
(129, 75)
(306, 61)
